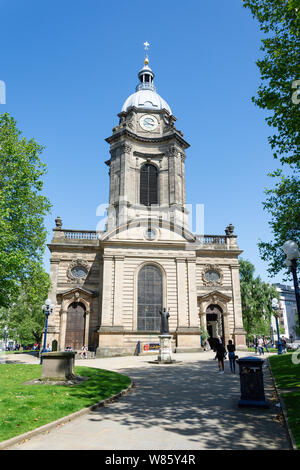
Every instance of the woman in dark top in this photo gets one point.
(231, 355)
(220, 354)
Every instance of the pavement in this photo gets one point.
(187, 405)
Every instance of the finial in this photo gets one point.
(146, 60)
(58, 223)
(229, 230)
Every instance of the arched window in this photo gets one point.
(150, 298)
(148, 185)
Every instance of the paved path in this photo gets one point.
(183, 406)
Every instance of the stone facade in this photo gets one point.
(100, 270)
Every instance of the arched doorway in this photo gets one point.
(150, 298)
(75, 328)
(214, 323)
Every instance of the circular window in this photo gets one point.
(79, 271)
(150, 234)
(212, 276)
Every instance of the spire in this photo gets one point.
(146, 75)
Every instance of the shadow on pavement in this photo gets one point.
(193, 400)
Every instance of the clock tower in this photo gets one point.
(110, 286)
(147, 164)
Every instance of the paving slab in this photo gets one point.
(181, 406)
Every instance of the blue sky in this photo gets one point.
(68, 67)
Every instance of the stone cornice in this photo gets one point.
(125, 132)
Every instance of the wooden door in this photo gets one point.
(75, 332)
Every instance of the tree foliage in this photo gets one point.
(283, 204)
(256, 297)
(22, 210)
(279, 67)
(24, 317)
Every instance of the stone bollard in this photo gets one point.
(58, 365)
(252, 382)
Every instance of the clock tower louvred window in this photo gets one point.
(148, 185)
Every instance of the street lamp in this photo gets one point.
(291, 250)
(47, 309)
(275, 308)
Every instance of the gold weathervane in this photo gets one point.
(146, 44)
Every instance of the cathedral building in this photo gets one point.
(108, 286)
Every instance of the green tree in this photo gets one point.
(283, 204)
(24, 317)
(22, 210)
(279, 93)
(256, 297)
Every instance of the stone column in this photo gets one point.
(118, 293)
(63, 328)
(192, 293)
(171, 175)
(239, 332)
(181, 293)
(54, 263)
(107, 291)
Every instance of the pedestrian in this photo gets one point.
(231, 355)
(84, 350)
(255, 343)
(261, 346)
(265, 343)
(220, 355)
(284, 344)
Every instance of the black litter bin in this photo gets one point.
(252, 382)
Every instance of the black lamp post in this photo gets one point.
(291, 250)
(47, 309)
(275, 308)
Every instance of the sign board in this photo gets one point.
(148, 348)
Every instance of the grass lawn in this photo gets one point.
(270, 350)
(287, 376)
(26, 407)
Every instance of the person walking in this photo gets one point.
(231, 355)
(261, 346)
(84, 351)
(220, 355)
(255, 343)
(265, 342)
(284, 344)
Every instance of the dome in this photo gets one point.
(145, 96)
(146, 99)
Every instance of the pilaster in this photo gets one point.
(107, 290)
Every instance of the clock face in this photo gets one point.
(148, 123)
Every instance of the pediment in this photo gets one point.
(214, 296)
(77, 292)
(138, 231)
